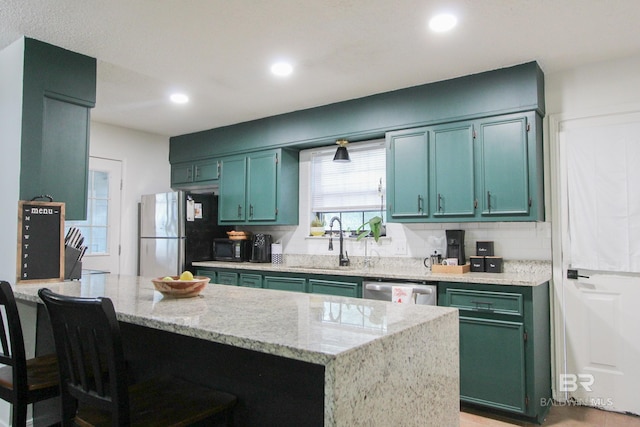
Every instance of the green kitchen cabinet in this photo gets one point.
(250, 280)
(408, 175)
(188, 175)
(59, 90)
(259, 188)
(350, 288)
(505, 357)
(506, 162)
(232, 198)
(452, 170)
(478, 170)
(262, 185)
(284, 283)
(227, 278)
(206, 272)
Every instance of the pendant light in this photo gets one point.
(342, 155)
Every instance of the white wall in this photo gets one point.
(11, 71)
(145, 170)
(512, 241)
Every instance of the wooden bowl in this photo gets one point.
(177, 288)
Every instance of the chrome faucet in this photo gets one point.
(344, 259)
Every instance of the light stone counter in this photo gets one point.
(384, 363)
(519, 273)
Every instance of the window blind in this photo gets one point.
(352, 186)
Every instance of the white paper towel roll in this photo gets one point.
(402, 294)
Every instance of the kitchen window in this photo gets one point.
(354, 191)
(94, 228)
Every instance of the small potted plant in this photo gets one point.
(317, 226)
(375, 225)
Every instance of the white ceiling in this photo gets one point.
(220, 51)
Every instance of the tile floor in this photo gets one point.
(559, 416)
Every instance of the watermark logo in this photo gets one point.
(598, 402)
(571, 382)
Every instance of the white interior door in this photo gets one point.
(598, 206)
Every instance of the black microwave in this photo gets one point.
(231, 250)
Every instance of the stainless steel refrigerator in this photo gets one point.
(176, 229)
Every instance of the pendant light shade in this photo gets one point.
(342, 155)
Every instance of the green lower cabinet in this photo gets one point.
(491, 363)
(250, 280)
(317, 284)
(505, 356)
(333, 287)
(211, 274)
(297, 284)
(227, 278)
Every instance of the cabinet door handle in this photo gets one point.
(483, 305)
(419, 203)
(489, 201)
(218, 170)
(251, 211)
(197, 172)
(189, 173)
(239, 211)
(439, 202)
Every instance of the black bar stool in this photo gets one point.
(22, 381)
(95, 388)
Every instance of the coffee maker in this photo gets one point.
(455, 245)
(261, 248)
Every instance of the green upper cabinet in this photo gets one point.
(59, 91)
(232, 199)
(481, 170)
(503, 163)
(193, 174)
(408, 175)
(452, 170)
(259, 188)
(262, 186)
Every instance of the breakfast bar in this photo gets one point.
(291, 358)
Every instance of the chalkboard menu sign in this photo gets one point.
(40, 241)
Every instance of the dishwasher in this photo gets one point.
(424, 292)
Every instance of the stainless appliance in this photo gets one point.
(455, 245)
(176, 229)
(231, 250)
(261, 248)
(424, 292)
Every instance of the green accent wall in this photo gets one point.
(508, 90)
(59, 89)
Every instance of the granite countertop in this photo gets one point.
(308, 327)
(518, 273)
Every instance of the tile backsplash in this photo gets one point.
(512, 240)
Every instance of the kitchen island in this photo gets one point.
(291, 358)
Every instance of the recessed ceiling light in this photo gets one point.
(442, 22)
(179, 98)
(282, 69)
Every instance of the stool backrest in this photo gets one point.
(12, 351)
(91, 359)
